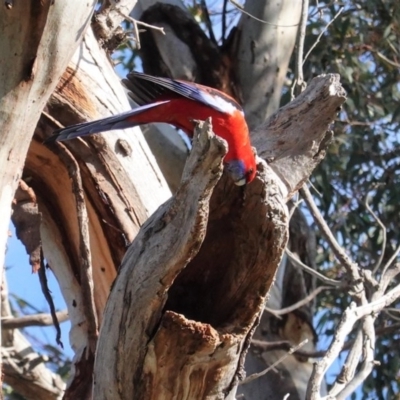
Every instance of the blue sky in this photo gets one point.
(22, 283)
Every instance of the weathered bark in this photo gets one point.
(36, 43)
(290, 142)
(213, 289)
(179, 304)
(29, 33)
(122, 187)
(263, 55)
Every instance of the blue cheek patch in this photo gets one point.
(237, 170)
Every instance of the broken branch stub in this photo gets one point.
(163, 247)
(192, 285)
(294, 139)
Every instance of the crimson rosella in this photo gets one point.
(178, 103)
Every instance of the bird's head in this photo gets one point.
(241, 172)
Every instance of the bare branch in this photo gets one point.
(387, 278)
(348, 369)
(390, 261)
(384, 233)
(86, 272)
(368, 347)
(378, 305)
(345, 325)
(313, 272)
(300, 303)
(271, 367)
(350, 266)
(350, 316)
(286, 345)
(299, 83)
(32, 320)
(300, 130)
(135, 24)
(322, 32)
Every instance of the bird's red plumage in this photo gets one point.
(179, 103)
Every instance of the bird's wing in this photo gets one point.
(145, 89)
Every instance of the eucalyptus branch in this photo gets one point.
(368, 334)
(299, 77)
(135, 24)
(271, 367)
(390, 262)
(300, 303)
(384, 233)
(350, 316)
(286, 345)
(313, 272)
(349, 367)
(32, 320)
(350, 266)
(321, 34)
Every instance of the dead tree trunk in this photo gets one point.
(193, 284)
(37, 41)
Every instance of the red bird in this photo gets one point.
(179, 103)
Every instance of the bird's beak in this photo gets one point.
(240, 182)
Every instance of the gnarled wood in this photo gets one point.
(121, 182)
(168, 282)
(216, 292)
(293, 140)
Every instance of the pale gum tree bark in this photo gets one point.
(264, 53)
(36, 42)
(263, 56)
(121, 186)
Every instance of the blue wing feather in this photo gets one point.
(144, 93)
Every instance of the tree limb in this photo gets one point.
(351, 267)
(309, 270)
(300, 303)
(24, 369)
(32, 320)
(294, 139)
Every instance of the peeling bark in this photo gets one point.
(121, 187)
(29, 32)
